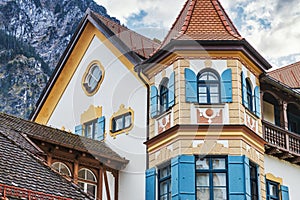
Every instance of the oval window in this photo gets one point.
(93, 78)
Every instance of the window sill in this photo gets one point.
(217, 105)
(163, 114)
(251, 113)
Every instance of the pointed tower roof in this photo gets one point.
(202, 20)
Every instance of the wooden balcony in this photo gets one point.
(282, 143)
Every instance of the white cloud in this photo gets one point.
(272, 26)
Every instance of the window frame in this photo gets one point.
(87, 182)
(123, 117)
(210, 171)
(254, 180)
(60, 164)
(249, 95)
(91, 91)
(165, 179)
(272, 197)
(163, 95)
(94, 125)
(207, 84)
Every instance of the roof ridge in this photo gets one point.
(121, 26)
(225, 19)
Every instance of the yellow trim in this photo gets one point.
(208, 136)
(93, 112)
(93, 63)
(206, 55)
(122, 110)
(69, 68)
(273, 178)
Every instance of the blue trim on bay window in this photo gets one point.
(99, 135)
(226, 86)
(171, 87)
(190, 86)
(78, 130)
(151, 184)
(244, 90)
(284, 192)
(183, 177)
(257, 101)
(153, 101)
(239, 178)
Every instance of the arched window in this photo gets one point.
(249, 95)
(61, 168)
(208, 87)
(87, 180)
(163, 91)
(92, 78)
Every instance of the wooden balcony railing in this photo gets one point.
(282, 143)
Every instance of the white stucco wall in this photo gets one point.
(119, 86)
(289, 173)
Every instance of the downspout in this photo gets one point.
(148, 111)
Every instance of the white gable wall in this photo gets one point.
(119, 86)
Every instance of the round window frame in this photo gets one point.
(86, 73)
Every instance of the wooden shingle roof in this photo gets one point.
(59, 137)
(137, 43)
(202, 20)
(23, 175)
(288, 75)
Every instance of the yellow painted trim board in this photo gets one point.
(70, 67)
(209, 135)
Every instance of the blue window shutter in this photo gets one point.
(154, 101)
(244, 90)
(284, 192)
(151, 184)
(239, 178)
(226, 86)
(79, 130)
(190, 86)
(100, 129)
(257, 101)
(171, 90)
(183, 177)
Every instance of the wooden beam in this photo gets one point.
(75, 171)
(273, 150)
(116, 176)
(100, 184)
(106, 185)
(285, 155)
(295, 160)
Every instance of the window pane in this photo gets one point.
(90, 176)
(273, 189)
(55, 166)
(89, 130)
(219, 179)
(127, 120)
(202, 99)
(220, 194)
(165, 172)
(214, 89)
(164, 188)
(81, 184)
(91, 189)
(218, 163)
(202, 179)
(81, 174)
(96, 73)
(64, 170)
(202, 163)
(203, 194)
(202, 89)
(212, 76)
(214, 99)
(118, 124)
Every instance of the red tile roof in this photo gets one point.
(141, 45)
(289, 75)
(202, 20)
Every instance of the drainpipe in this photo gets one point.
(148, 110)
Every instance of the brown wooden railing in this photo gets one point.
(281, 138)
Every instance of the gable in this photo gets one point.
(68, 66)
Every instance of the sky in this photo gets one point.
(272, 27)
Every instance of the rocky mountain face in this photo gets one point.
(33, 36)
